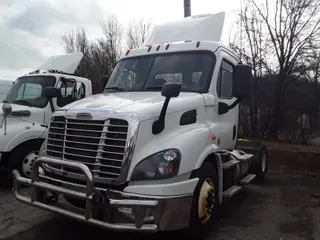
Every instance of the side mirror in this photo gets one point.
(170, 90)
(51, 92)
(242, 81)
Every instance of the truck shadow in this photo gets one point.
(64, 228)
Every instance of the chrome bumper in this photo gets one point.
(105, 208)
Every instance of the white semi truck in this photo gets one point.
(27, 111)
(156, 151)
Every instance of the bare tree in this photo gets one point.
(112, 31)
(251, 44)
(312, 73)
(292, 26)
(137, 32)
(77, 41)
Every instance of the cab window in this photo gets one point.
(225, 81)
(71, 91)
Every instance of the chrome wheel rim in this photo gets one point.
(28, 162)
(206, 201)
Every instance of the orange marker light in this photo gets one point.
(213, 137)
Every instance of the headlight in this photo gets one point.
(164, 164)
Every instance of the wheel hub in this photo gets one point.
(206, 201)
(28, 162)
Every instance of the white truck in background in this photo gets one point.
(27, 110)
(5, 86)
(157, 150)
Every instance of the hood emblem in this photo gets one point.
(84, 115)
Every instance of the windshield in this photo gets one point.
(148, 73)
(28, 91)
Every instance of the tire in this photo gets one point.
(260, 167)
(201, 228)
(24, 154)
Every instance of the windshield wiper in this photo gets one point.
(114, 88)
(153, 88)
(24, 102)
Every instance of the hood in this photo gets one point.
(146, 104)
(26, 114)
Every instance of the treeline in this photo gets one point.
(101, 54)
(278, 38)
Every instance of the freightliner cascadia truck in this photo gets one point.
(158, 149)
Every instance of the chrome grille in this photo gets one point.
(100, 145)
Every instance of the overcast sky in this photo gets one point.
(31, 30)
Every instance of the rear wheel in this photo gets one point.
(260, 168)
(205, 202)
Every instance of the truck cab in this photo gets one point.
(24, 127)
(156, 151)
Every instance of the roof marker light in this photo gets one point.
(167, 46)
(128, 52)
(198, 44)
(149, 48)
(158, 47)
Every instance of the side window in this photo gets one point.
(67, 96)
(225, 80)
(80, 91)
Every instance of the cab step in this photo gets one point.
(231, 191)
(230, 164)
(248, 179)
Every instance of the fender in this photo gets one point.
(20, 135)
(216, 160)
(194, 151)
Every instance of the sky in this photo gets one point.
(31, 30)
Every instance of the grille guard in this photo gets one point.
(137, 205)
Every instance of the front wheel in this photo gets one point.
(205, 202)
(23, 158)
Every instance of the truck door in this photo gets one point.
(228, 122)
(71, 91)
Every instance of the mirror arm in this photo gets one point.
(235, 103)
(158, 125)
(51, 105)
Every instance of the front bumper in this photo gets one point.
(105, 208)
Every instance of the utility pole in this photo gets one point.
(187, 8)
